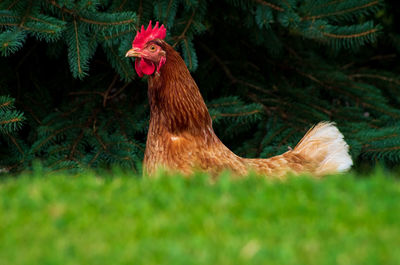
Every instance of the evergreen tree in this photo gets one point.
(267, 69)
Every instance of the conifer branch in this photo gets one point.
(73, 110)
(16, 144)
(12, 4)
(341, 12)
(121, 5)
(44, 21)
(87, 20)
(327, 4)
(222, 104)
(90, 21)
(265, 3)
(105, 94)
(376, 107)
(87, 93)
(384, 137)
(79, 138)
(39, 30)
(228, 73)
(383, 149)
(355, 98)
(34, 116)
(122, 125)
(384, 78)
(63, 9)
(119, 91)
(119, 59)
(185, 41)
(119, 34)
(236, 114)
(285, 140)
(8, 15)
(61, 168)
(13, 120)
(50, 137)
(27, 12)
(350, 36)
(167, 11)
(94, 158)
(58, 150)
(10, 24)
(275, 134)
(77, 47)
(182, 35)
(5, 104)
(103, 145)
(139, 12)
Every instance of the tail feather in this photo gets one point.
(325, 146)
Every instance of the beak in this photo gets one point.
(134, 52)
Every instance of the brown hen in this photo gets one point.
(181, 136)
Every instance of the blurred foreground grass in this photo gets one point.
(123, 219)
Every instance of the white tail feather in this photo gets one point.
(324, 145)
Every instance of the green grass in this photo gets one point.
(85, 219)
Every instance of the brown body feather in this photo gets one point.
(181, 136)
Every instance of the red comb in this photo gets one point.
(145, 35)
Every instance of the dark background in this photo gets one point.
(264, 86)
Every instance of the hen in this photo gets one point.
(181, 136)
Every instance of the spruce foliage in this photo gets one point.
(10, 119)
(268, 70)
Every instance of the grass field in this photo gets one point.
(87, 219)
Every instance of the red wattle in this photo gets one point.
(137, 67)
(144, 66)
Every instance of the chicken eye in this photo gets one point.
(152, 48)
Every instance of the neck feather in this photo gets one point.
(175, 99)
